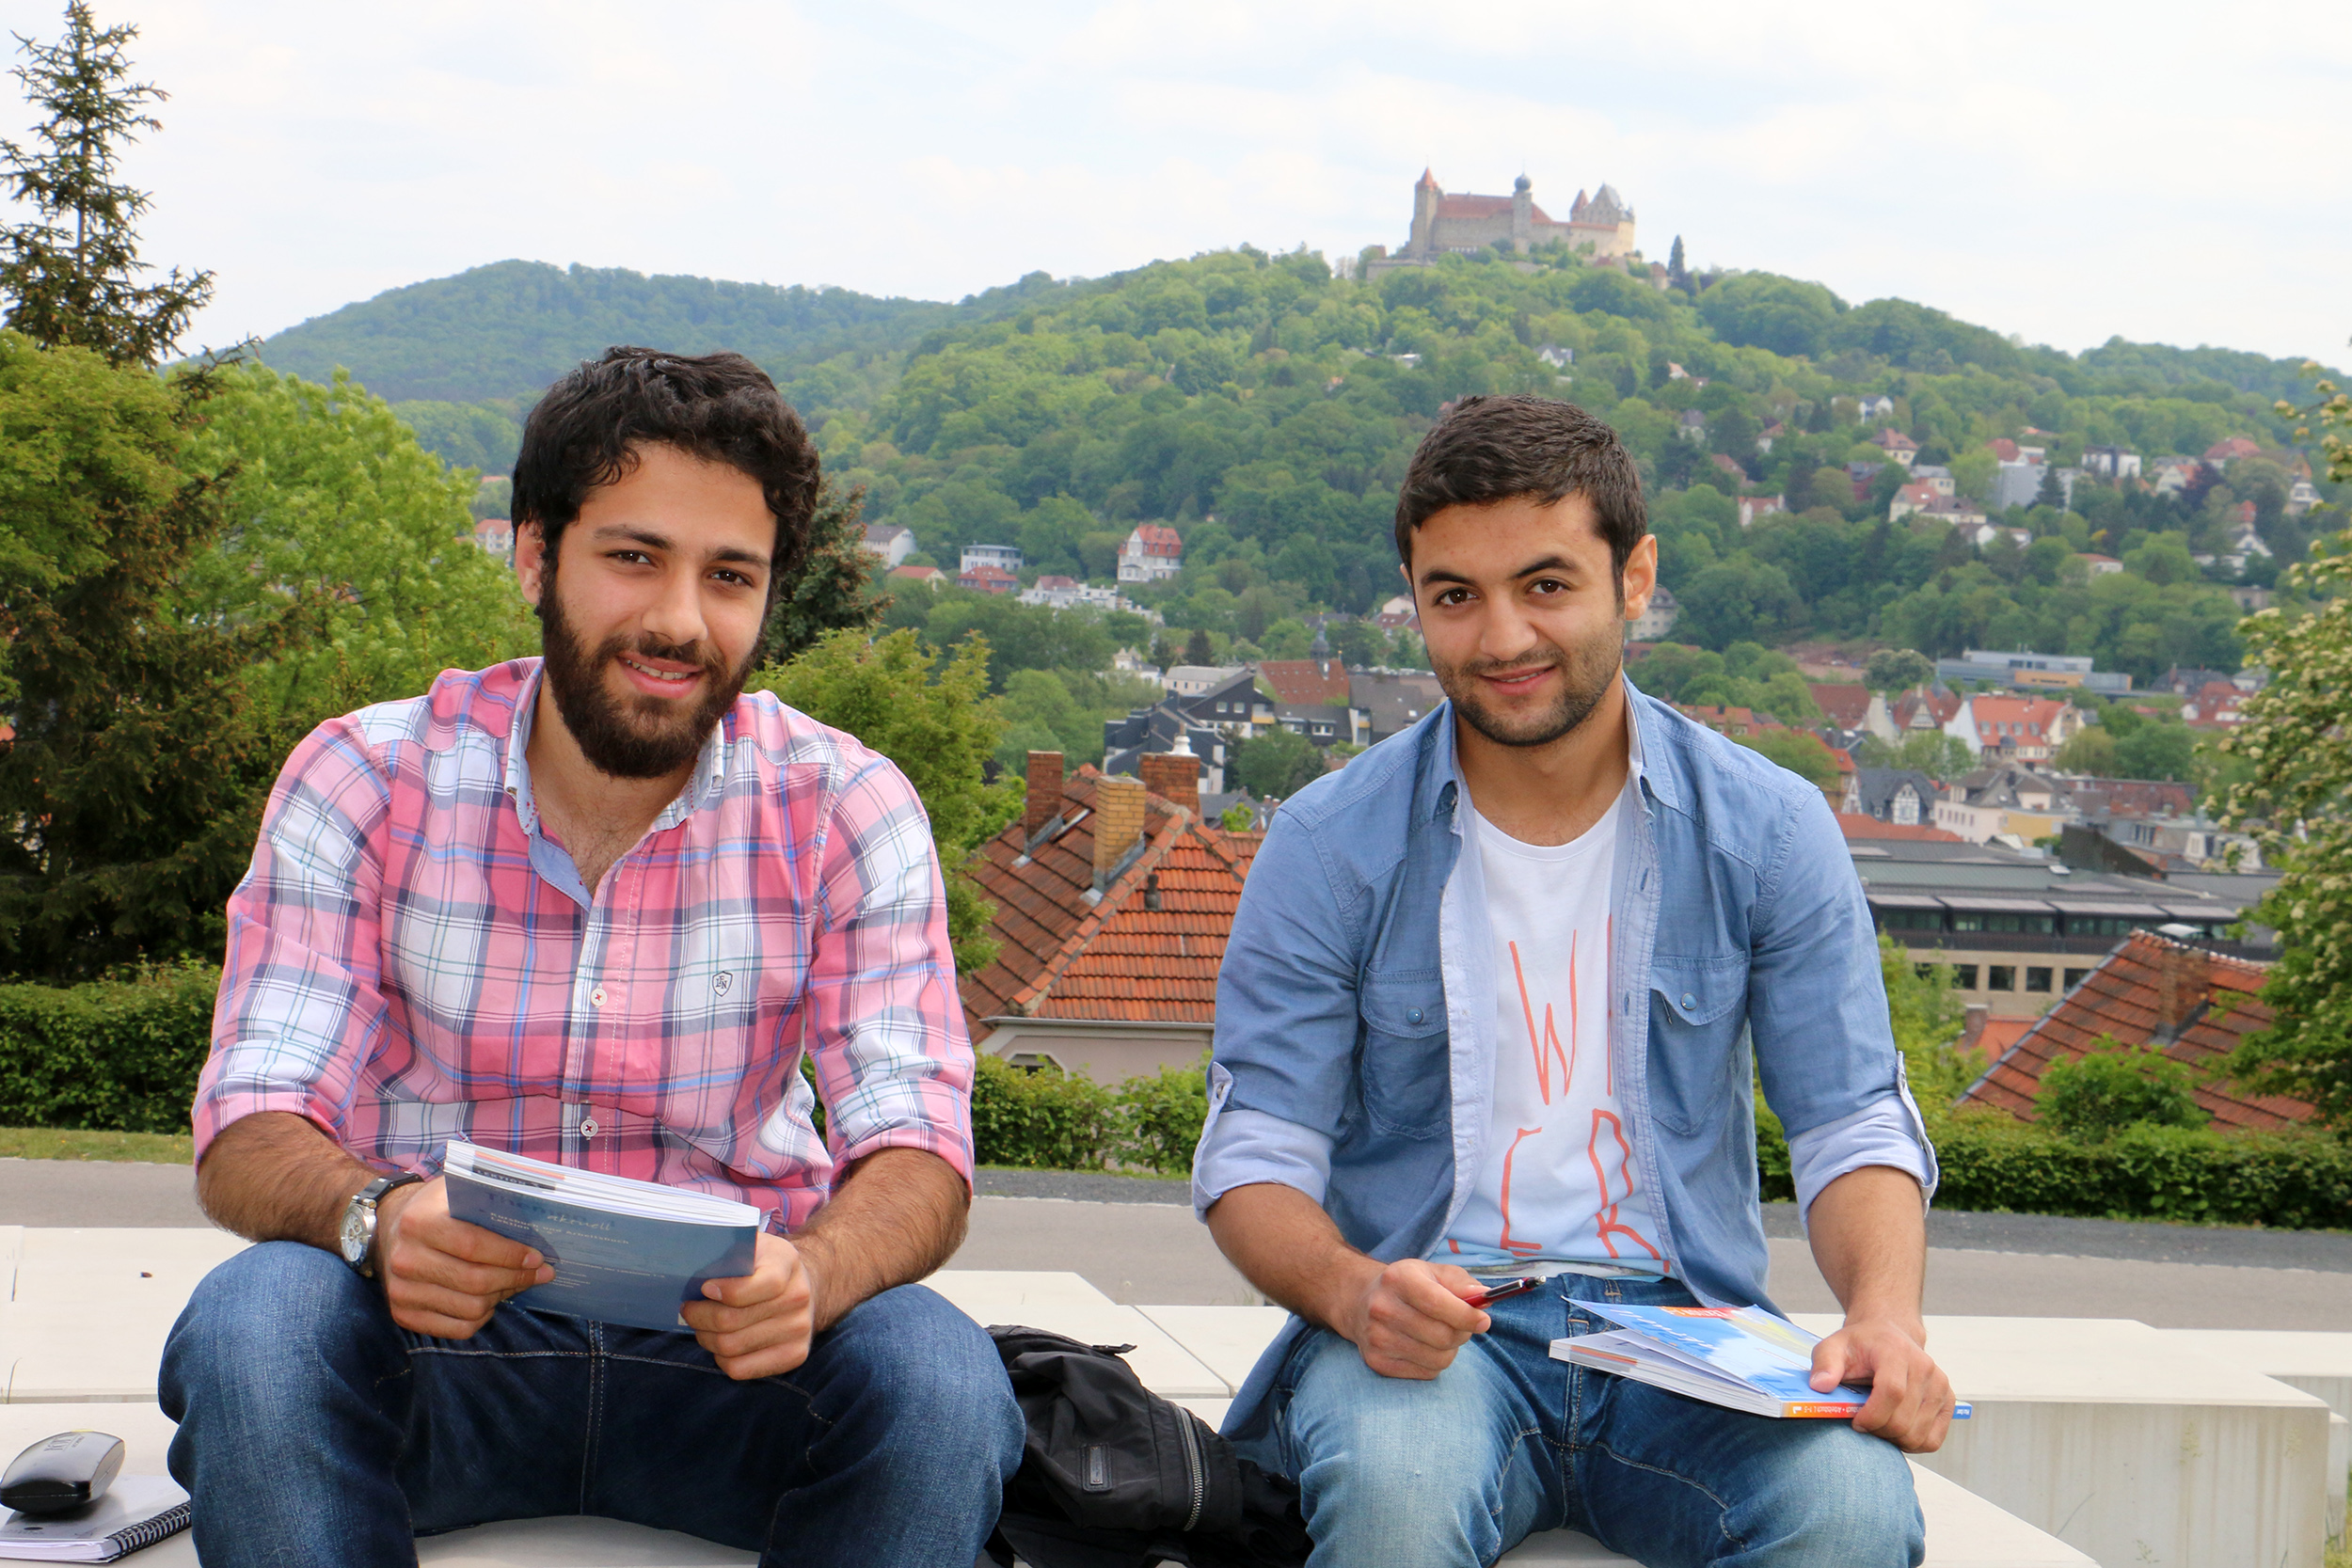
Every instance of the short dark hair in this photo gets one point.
(720, 408)
(1498, 449)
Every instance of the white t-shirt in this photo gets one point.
(1560, 1185)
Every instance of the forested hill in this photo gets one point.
(464, 354)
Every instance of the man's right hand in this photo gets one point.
(442, 1276)
(1414, 1316)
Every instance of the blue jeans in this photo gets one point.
(314, 1430)
(1394, 1473)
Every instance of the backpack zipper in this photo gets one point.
(1195, 1467)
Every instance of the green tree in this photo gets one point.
(1801, 751)
(1277, 765)
(329, 494)
(71, 271)
(1940, 756)
(1893, 669)
(1925, 1014)
(937, 721)
(2296, 740)
(834, 588)
(132, 792)
(2112, 1086)
(2090, 752)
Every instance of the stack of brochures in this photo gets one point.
(624, 1252)
(137, 1511)
(1740, 1357)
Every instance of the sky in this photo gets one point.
(2064, 173)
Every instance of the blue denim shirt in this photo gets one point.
(1355, 1019)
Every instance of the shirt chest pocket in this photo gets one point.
(1406, 1087)
(1698, 1007)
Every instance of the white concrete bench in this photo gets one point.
(2319, 1364)
(2133, 1445)
(87, 1310)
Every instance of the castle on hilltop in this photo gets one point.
(1461, 221)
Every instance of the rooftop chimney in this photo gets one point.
(1174, 777)
(2180, 990)
(1045, 800)
(1118, 825)
(1972, 1027)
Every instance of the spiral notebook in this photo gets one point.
(137, 1511)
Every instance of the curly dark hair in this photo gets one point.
(718, 407)
(1497, 448)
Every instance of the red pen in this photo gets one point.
(1504, 1288)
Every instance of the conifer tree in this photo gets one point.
(71, 272)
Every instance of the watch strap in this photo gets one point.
(368, 1197)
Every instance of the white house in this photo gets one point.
(1004, 558)
(1152, 553)
(1657, 619)
(890, 542)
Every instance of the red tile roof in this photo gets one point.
(1307, 682)
(2212, 1001)
(1857, 825)
(1844, 704)
(1060, 955)
(1156, 539)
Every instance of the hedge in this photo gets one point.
(117, 1055)
(1049, 1120)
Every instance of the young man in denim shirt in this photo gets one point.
(1487, 1011)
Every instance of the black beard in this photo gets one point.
(629, 740)
(1586, 673)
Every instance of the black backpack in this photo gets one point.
(1113, 1476)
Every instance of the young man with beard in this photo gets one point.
(593, 908)
(1485, 1013)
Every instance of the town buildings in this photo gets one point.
(1153, 552)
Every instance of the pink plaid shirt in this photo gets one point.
(412, 959)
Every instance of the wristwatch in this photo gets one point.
(359, 1234)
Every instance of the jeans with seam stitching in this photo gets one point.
(314, 1430)
(1399, 1473)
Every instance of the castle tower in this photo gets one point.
(1424, 239)
(1522, 214)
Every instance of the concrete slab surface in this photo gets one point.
(1227, 1340)
(2318, 1364)
(1065, 1304)
(58, 1342)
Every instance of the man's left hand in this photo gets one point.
(1911, 1399)
(758, 1325)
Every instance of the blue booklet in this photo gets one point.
(624, 1251)
(1740, 1357)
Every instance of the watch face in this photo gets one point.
(355, 1230)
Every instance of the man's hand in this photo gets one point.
(1414, 1316)
(442, 1276)
(760, 1324)
(1911, 1399)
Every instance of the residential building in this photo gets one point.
(2169, 476)
(1846, 704)
(986, 579)
(1771, 433)
(890, 542)
(1191, 680)
(1923, 708)
(2111, 462)
(1656, 618)
(2229, 448)
(1395, 613)
(1153, 552)
(1164, 729)
(1734, 721)
(2019, 484)
(1902, 796)
(2013, 804)
(1235, 705)
(1860, 829)
(1982, 534)
(2301, 497)
(1753, 507)
(1113, 900)
(2099, 566)
(1877, 407)
(1002, 558)
(1915, 497)
(1056, 591)
(2014, 729)
(2155, 990)
(1900, 447)
(1936, 475)
(2023, 669)
(1391, 701)
(2189, 842)
(1306, 681)
(2216, 703)
(1691, 426)
(1966, 516)
(928, 577)
(496, 535)
(1557, 358)
(2020, 930)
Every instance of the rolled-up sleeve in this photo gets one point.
(1286, 1022)
(1817, 1009)
(300, 1009)
(894, 1062)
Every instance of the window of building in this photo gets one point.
(1907, 809)
(1963, 976)
(2036, 979)
(2075, 978)
(2001, 977)
(1912, 920)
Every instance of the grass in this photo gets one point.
(50, 1143)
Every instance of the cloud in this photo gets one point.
(2067, 173)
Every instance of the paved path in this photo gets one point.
(1137, 1240)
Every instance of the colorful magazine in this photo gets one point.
(624, 1251)
(1740, 1357)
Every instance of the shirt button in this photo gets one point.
(1689, 1002)
(588, 1127)
(596, 998)
(1412, 1015)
